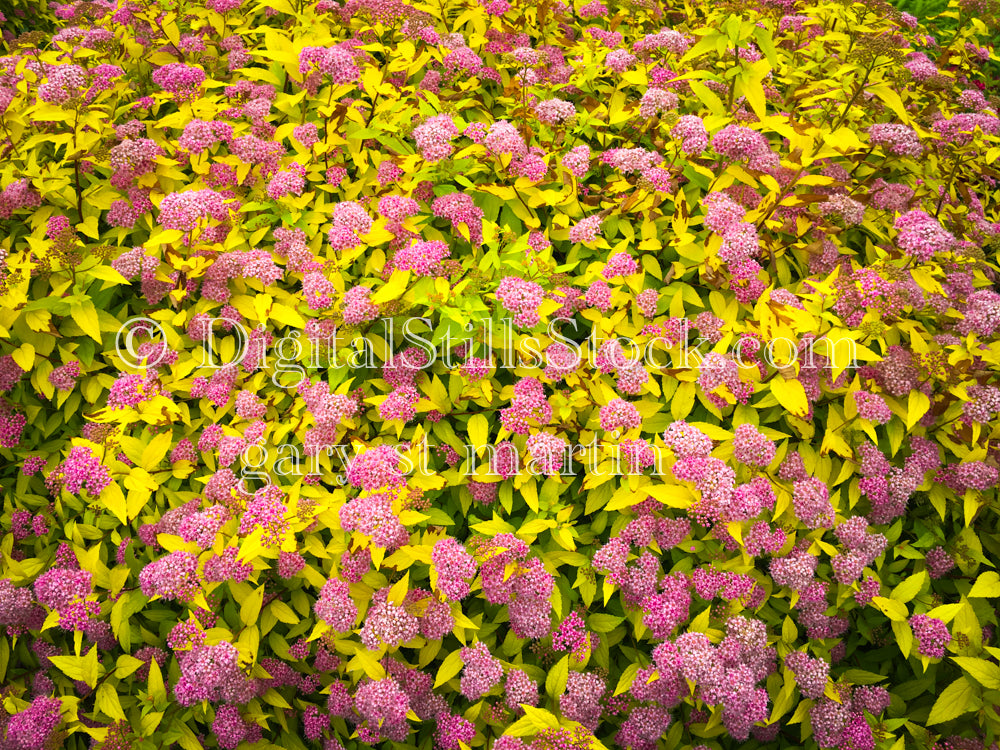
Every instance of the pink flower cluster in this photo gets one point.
(455, 568)
(212, 673)
(433, 137)
(335, 606)
(376, 468)
(922, 236)
(482, 671)
(526, 592)
(896, 139)
(872, 406)
(174, 576)
(180, 79)
(932, 635)
(422, 257)
(751, 447)
(182, 211)
(522, 298)
(80, 469)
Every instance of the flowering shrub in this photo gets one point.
(326, 328)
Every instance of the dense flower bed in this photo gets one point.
(506, 375)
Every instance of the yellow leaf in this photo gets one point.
(108, 703)
(683, 400)
(791, 395)
(169, 26)
(625, 497)
(987, 586)
(917, 406)
(627, 678)
(450, 667)
(674, 495)
(392, 289)
(153, 453)
(888, 94)
(250, 608)
(954, 700)
(616, 109)
(114, 500)
(909, 588)
(894, 610)
(71, 666)
(399, 590)
(529, 491)
(555, 681)
(368, 662)
(24, 355)
(479, 430)
(946, 612)
(85, 316)
(541, 718)
(283, 612)
(708, 97)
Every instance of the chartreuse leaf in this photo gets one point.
(986, 673)
(791, 395)
(910, 587)
(250, 607)
(627, 678)
(450, 666)
(956, 699)
(987, 586)
(891, 608)
(555, 681)
(540, 718)
(157, 690)
(108, 702)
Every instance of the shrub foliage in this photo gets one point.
(510, 375)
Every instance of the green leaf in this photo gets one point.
(956, 699)
(602, 623)
(627, 678)
(861, 677)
